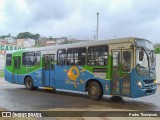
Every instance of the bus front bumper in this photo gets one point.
(138, 92)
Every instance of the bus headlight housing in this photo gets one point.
(139, 83)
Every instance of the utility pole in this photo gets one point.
(97, 26)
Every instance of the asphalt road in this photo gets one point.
(17, 98)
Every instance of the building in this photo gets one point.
(7, 40)
(2, 41)
(29, 42)
(49, 42)
(26, 42)
(10, 40)
(20, 42)
(55, 41)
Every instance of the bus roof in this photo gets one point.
(80, 44)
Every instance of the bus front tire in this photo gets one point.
(95, 91)
(29, 84)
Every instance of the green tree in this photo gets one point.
(26, 35)
(157, 50)
(36, 36)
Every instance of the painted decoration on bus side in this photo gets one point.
(73, 74)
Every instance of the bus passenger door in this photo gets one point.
(116, 72)
(122, 64)
(16, 69)
(48, 61)
(127, 62)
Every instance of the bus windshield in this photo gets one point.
(142, 65)
(145, 62)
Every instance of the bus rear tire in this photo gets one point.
(95, 91)
(29, 84)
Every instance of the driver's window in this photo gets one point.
(126, 60)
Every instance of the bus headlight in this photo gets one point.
(139, 83)
(155, 81)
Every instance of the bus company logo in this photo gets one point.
(73, 74)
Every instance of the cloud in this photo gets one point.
(44, 10)
(77, 18)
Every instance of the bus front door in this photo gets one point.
(48, 61)
(122, 64)
(16, 69)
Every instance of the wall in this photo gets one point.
(2, 62)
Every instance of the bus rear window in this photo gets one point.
(8, 59)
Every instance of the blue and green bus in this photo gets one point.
(118, 67)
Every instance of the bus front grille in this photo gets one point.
(148, 81)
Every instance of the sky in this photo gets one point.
(78, 18)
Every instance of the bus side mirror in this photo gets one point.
(141, 55)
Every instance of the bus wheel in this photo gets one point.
(95, 91)
(29, 84)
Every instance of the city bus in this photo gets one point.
(122, 67)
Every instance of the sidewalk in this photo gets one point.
(5, 83)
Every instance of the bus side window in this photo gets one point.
(70, 57)
(76, 56)
(81, 56)
(61, 57)
(28, 59)
(46, 62)
(52, 61)
(37, 58)
(8, 59)
(98, 55)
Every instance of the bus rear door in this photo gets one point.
(122, 64)
(48, 73)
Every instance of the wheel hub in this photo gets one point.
(94, 90)
(29, 83)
